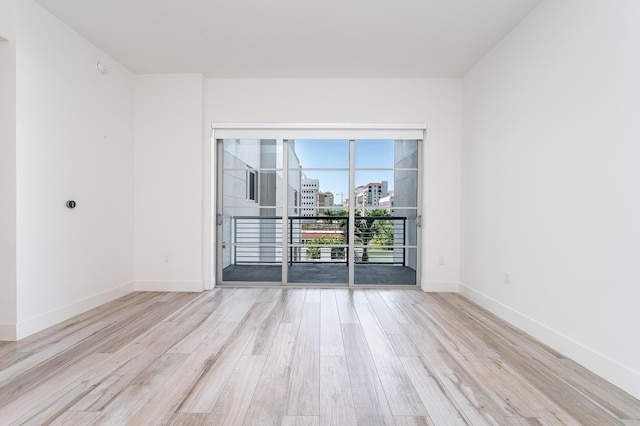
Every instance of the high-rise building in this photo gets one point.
(369, 195)
(309, 196)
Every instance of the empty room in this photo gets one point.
(340, 212)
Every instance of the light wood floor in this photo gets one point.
(297, 357)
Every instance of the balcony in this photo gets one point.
(318, 250)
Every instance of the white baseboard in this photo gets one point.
(56, 316)
(607, 368)
(440, 287)
(188, 286)
(7, 332)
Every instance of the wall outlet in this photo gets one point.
(441, 260)
(507, 278)
(165, 258)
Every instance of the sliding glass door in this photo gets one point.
(250, 210)
(386, 211)
(317, 222)
(335, 212)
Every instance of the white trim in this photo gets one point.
(607, 368)
(319, 130)
(184, 286)
(56, 316)
(208, 210)
(320, 126)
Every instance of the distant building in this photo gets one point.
(368, 196)
(360, 198)
(309, 196)
(387, 203)
(325, 201)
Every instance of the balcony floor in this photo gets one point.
(322, 273)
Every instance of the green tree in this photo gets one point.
(369, 227)
(336, 213)
(313, 251)
(337, 252)
(385, 234)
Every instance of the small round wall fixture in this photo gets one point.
(71, 204)
(102, 67)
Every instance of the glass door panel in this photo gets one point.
(251, 214)
(385, 207)
(318, 180)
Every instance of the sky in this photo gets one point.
(318, 153)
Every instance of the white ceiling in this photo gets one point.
(295, 38)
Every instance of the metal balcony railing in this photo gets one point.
(319, 239)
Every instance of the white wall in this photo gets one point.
(168, 182)
(74, 141)
(7, 20)
(551, 182)
(7, 171)
(435, 101)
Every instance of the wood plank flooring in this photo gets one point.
(297, 357)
